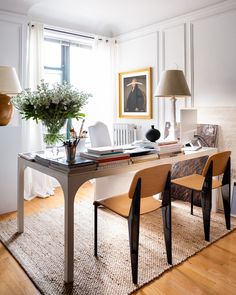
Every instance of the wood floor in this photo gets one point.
(212, 271)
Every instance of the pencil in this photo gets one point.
(81, 128)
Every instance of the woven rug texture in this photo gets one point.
(40, 249)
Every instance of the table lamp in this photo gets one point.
(172, 84)
(9, 85)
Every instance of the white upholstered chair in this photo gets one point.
(105, 187)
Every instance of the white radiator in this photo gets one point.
(124, 133)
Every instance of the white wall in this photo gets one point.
(160, 49)
(12, 32)
(203, 45)
(214, 48)
(129, 58)
(214, 72)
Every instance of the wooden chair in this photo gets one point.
(216, 165)
(139, 200)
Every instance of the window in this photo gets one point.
(88, 65)
(56, 63)
(68, 58)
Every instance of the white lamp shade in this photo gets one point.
(172, 84)
(9, 82)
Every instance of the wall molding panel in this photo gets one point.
(13, 48)
(213, 66)
(191, 54)
(186, 18)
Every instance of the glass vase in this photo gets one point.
(53, 133)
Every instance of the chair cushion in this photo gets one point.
(195, 182)
(121, 204)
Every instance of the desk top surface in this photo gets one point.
(94, 171)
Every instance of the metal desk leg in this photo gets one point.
(20, 196)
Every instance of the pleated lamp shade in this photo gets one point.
(172, 84)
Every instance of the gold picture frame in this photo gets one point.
(135, 94)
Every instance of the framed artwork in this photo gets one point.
(135, 94)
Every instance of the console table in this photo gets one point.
(71, 181)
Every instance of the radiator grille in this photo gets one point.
(124, 133)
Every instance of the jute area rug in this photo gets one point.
(39, 249)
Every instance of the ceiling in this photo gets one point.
(103, 17)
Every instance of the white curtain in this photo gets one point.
(102, 81)
(36, 183)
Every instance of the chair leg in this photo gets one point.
(134, 245)
(95, 228)
(133, 226)
(206, 201)
(166, 217)
(206, 212)
(192, 195)
(225, 190)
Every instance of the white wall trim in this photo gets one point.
(161, 67)
(73, 31)
(12, 17)
(185, 58)
(191, 61)
(21, 21)
(189, 17)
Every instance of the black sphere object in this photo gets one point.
(153, 134)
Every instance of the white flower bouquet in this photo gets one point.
(52, 106)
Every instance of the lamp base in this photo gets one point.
(6, 109)
(174, 128)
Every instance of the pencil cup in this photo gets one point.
(70, 153)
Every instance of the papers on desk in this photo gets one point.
(191, 148)
(164, 147)
(28, 156)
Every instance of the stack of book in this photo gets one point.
(146, 157)
(58, 161)
(169, 147)
(79, 165)
(107, 157)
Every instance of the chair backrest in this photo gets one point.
(99, 135)
(153, 180)
(219, 163)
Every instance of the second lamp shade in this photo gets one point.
(172, 84)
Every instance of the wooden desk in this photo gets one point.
(71, 182)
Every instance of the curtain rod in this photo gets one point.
(74, 34)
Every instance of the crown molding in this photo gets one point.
(12, 17)
(212, 10)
